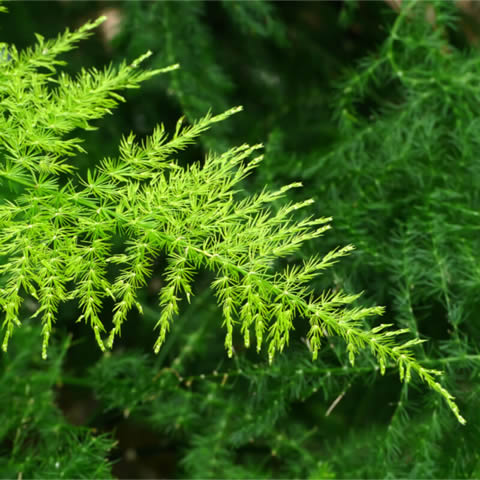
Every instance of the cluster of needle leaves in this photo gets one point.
(59, 226)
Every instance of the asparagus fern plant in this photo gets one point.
(61, 229)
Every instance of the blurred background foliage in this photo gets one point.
(376, 112)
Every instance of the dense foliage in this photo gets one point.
(379, 125)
